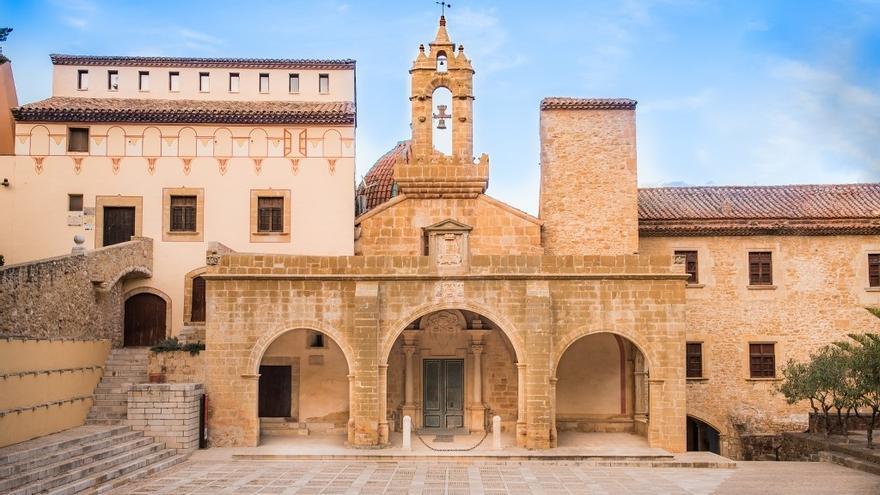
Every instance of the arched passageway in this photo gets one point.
(451, 371)
(702, 437)
(601, 387)
(303, 386)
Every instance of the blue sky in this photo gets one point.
(730, 92)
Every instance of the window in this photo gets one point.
(760, 269)
(74, 202)
(197, 301)
(270, 214)
(82, 80)
(144, 81)
(264, 83)
(174, 81)
(112, 80)
(324, 83)
(441, 62)
(233, 82)
(762, 361)
(690, 265)
(694, 359)
(874, 270)
(78, 139)
(204, 82)
(183, 213)
(316, 340)
(293, 83)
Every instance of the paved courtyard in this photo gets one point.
(496, 478)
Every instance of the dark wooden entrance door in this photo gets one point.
(274, 392)
(443, 393)
(118, 224)
(144, 320)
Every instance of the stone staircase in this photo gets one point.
(282, 427)
(124, 366)
(87, 459)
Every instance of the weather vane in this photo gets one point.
(443, 7)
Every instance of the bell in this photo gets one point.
(441, 124)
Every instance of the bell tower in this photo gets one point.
(442, 163)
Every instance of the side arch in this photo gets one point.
(506, 326)
(263, 343)
(573, 337)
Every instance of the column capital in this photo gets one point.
(477, 348)
(521, 366)
(409, 349)
(383, 366)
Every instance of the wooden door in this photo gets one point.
(274, 401)
(144, 320)
(198, 299)
(443, 393)
(118, 224)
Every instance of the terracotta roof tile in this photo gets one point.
(379, 181)
(561, 103)
(76, 109)
(237, 63)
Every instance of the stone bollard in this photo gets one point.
(78, 247)
(407, 433)
(496, 433)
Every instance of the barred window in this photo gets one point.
(760, 268)
(762, 360)
(694, 359)
(270, 214)
(690, 263)
(78, 139)
(874, 270)
(183, 213)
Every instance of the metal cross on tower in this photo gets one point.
(442, 116)
(443, 7)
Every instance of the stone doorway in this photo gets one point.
(443, 394)
(144, 321)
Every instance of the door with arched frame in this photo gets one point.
(144, 320)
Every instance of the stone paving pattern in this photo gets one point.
(496, 478)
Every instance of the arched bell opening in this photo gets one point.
(441, 133)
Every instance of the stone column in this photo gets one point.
(477, 409)
(538, 342)
(521, 405)
(367, 400)
(553, 431)
(383, 404)
(477, 349)
(351, 382)
(410, 349)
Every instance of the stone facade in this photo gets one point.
(167, 412)
(178, 366)
(73, 296)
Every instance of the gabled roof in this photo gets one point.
(232, 63)
(131, 110)
(448, 224)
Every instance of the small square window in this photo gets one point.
(183, 213)
(762, 360)
(204, 82)
(293, 83)
(264, 83)
(270, 214)
(760, 268)
(324, 83)
(694, 359)
(74, 202)
(174, 82)
(144, 81)
(317, 340)
(112, 80)
(874, 270)
(78, 139)
(233, 82)
(690, 265)
(82, 80)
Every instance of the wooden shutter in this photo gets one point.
(183, 213)
(874, 270)
(694, 356)
(198, 299)
(760, 268)
(762, 360)
(270, 213)
(690, 263)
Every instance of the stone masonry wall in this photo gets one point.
(72, 296)
(589, 195)
(178, 366)
(819, 294)
(396, 229)
(168, 412)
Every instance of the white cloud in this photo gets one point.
(197, 40)
(76, 13)
(488, 41)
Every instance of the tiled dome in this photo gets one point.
(378, 185)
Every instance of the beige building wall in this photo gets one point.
(819, 295)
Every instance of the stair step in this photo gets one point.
(144, 472)
(63, 440)
(94, 482)
(51, 456)
(104, 421)
(65, 466)
(849, 461)
(85, 472)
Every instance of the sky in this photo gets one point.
(730, 92)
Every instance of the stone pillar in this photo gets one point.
(177, 426)
(351, 408)
(521, 405)
(477, 349)
(368, 394)
(553, 432)
(538, 336)
(410, 349)
(383, 404)
(477, 409)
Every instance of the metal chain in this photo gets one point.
(485, 434)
